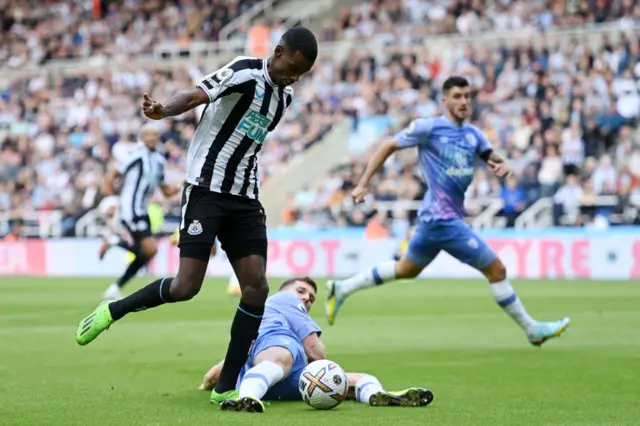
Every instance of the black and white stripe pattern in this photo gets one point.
(142, 173)
(244, 106)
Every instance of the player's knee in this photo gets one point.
(496, 271)
(278, 355)
(149, 248)
(406, 269)
(151, 252)
(184, 288)
(255, 288)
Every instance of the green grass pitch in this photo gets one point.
(446, 335)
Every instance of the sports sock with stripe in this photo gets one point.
(508, 300)
(367, 386)
(244, 330)
(386, 271)
(257, 381)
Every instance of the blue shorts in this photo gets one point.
(287, 388)
(453, 236)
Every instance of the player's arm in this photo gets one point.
(170, 190)
(108, 186)
(413, 135)
(179, 103)
(210, 88)
(211, 378)
(498, 163)
(382, 154)
(314, 348)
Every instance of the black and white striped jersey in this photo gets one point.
(142, 172)
(245, 105)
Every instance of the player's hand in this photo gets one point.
(106, 190)
(152, 109)
(358, 194)
(500, 169)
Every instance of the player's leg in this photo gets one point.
(367, 389)
(275, 364)
(144, 249)
(466, 246)
(148, 247)
(420, 253)
(244, 238)
(195, 247)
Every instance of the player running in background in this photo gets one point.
(246, 99)
(447, 148)
(142, 172)
(288, 339)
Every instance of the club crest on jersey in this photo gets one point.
(460, 159)
(195, 228)
(444, 139)
(461, 168)
(224, 74)
(255, 125)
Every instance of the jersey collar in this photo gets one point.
(452, 123)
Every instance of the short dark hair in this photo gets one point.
(301, 39)
(454, 81)
(292, 281)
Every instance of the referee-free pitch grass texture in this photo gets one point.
(446, 335)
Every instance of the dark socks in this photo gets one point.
(154, 294)
(244, 330)
(133, 268)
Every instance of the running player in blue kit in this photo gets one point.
(287, 340)
(447, 149)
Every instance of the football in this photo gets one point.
(323, 385)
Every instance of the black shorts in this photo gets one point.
(238, 222)
(138, 228)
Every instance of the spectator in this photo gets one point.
(376, 228)
(550, 173)
(530, 185)
(16, 231)
(572, 148)
(514, 200)
(566, 202)
(604, 178)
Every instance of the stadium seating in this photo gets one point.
(59, 131)
(37, 32)
(556, 113)
(393, 21)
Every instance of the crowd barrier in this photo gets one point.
(609, 254)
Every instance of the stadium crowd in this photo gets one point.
(59, 133)
(407, 21)
(34, 32)
(565, 116)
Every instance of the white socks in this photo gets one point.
(509, 301)
(385, 271)
(260, 378)
(366, 387)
